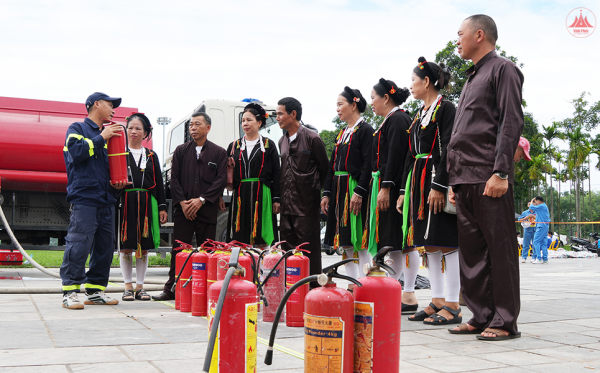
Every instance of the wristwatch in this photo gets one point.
(501, 175)
(202, 200)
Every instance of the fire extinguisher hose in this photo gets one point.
(256, 280)
(217, 318)
(304, 281)
(181, 271)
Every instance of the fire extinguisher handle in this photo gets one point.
(333, 268)
(187, 282)
(343, 277)
(181, 271)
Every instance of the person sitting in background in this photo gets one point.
(142, 206)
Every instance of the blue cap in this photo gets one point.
(116, 101)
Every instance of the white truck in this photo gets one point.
(226, 117)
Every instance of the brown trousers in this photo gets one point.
(183, 230)
(489, 262)
(299, 229)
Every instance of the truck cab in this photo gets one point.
(226, 127)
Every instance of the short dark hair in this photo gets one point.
(290, 105)
(539, 198)
(486, 24)
(440, 71)
(203, 115)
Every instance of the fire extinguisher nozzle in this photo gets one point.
(269, 356)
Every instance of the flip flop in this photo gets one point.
(464, 329)
(441, 320)
(498, 337)
(422, 315)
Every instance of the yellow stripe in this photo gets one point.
(71, 287)
(263, 341)
(92, 286)
(91, 145)
(65, 149)
(105, 146)
(79, 137)
(112, 155)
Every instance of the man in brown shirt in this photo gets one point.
(198, 177)
(489, 121)
(304, 165)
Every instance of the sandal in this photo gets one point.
(409, 309)
(128, 295)
(464, 329)
(441, 320)
(141, 294)
(422, 315)
(500, 335)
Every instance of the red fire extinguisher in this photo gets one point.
(183, 267)
(328, 323)
(297, 267)
(199, 293)
(117, 156)
(232, 344)
(377, 315)
(274, 282)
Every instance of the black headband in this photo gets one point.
(424, 65)
(388, 87)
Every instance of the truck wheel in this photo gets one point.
(221, 227)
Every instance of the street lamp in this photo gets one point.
(164, 122)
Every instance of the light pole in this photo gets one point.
(164, 122)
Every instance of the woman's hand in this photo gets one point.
(324, 205)
(399, 203)
(356, 204)
(436, 201)
(383, 199)
(276, 208)
(162, 216)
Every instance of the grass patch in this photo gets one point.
(54, 259)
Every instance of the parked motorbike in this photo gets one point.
(591, 245)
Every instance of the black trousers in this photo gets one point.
(183, 230)
(489, 260)
(296, 230)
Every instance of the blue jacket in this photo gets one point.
(86, 158)
(523, 215)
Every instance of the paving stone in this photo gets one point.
(36, 369)
(569, 338)
(570, 353)
(13, 339)
(457, 364)
(130, 367)
(167, 351)
(473, 347)
(572, 367)
(53, 356)
(98, 324)
(106, 337)
(518, 358)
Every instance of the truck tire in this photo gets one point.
(221, 226)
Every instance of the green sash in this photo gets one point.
(355, 220)
(373, 213)
(267, 212)
(406, 206)
(154, 218)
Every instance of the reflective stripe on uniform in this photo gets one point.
(71, 287)
(92, 286)
(79, 137)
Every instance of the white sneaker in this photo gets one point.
(535, 261)
(100, 298)
(523, 260)
(71, 301)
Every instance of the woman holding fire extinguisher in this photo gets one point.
(347, 183)
(255, 184)
(425, 183)
(142, 208)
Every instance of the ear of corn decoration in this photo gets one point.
(124, 231)
(377, 225)
(443, 263)
(145, 234)
(409, 236)
(407, 261)
(345, 215)
(254, 223)
(336, 241)
(237, 215)
(425, 260)
(138, 251)
(421, 214)
(365, 244)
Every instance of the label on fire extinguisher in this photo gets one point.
(293, 276)
(363, 336)
(251, 331)
(323, 344)
(214, 362)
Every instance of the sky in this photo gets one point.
(165, 57)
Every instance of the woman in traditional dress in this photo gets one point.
(426, 225)
(390, 146)
(142, 208)
(347, 182)
(256, 179)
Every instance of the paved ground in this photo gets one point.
(559, 320)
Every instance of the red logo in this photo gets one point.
(581, 22)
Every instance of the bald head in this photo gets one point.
(484, 23)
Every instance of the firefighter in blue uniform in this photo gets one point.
(92, 198)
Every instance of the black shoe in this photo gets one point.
(164, 296)
(409, 309)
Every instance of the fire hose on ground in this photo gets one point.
(51, 290)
